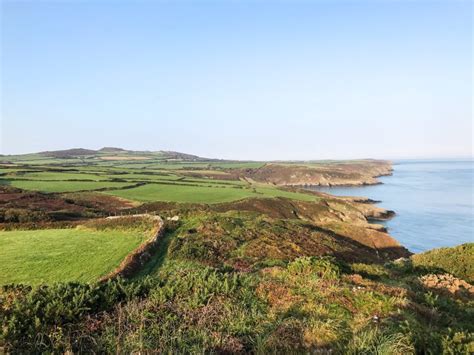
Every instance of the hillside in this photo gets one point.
(458, 261)
(294, 173)
(245, 262)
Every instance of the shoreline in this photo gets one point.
(372, 213)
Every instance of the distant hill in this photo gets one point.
(69, 153)
(111, 150)
(81, 152)
(181, 156)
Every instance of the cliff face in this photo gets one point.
(363, 172)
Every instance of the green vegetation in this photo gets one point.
(46, 256)
(237, 165)
(182, 193)
(458, 261)
(65, 186)
(55, 175)
(238, 270)
(164, 176)
(310, 304)
(201, 193)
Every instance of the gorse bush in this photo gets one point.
(458, 261)
(323, 267)
(32, 317)
(305, 306)
(16, 215)
(198, 311)
(240, 284)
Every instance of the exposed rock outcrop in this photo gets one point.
(448, 283)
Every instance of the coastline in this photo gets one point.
(344, 173)
(431, 201)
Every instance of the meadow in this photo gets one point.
(65, 185)
(201, 193)
(45, 256)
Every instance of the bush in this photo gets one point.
(323, 267)
(458, 260)
(33, 318)
(17, 215)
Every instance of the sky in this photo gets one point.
(260, 80)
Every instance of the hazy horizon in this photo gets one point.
(239, 80)
(394, 159)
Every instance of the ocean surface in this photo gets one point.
(433, 202)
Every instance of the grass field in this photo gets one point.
(65, 186)
(201, 193)
(52, 255)
(50, 175)
(182, 193)
(141, 177)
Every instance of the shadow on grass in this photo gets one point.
(355, 251)
(156, 262)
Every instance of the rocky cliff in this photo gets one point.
(363, 172)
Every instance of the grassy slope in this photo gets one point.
(195, 302)
(458, 261)
(201, 194)
(45, 256)
(180, 193)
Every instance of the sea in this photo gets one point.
(432, 199)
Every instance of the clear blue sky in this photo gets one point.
(239, 79)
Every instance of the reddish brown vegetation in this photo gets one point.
(19, 206)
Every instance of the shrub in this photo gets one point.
(323, 267)
(17, 215)
(458, 260)
(34, 318)
(371, 271)
(379, 341)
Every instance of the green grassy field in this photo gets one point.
(53, 175)
(201, 193)
(182, 193)
(65, 186)
(52, 255)
(138, 176)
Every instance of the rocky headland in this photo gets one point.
(343, 173)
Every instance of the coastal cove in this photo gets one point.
(433, 202)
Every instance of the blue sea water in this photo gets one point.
(433, 201)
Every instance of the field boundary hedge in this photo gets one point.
(134, 261)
